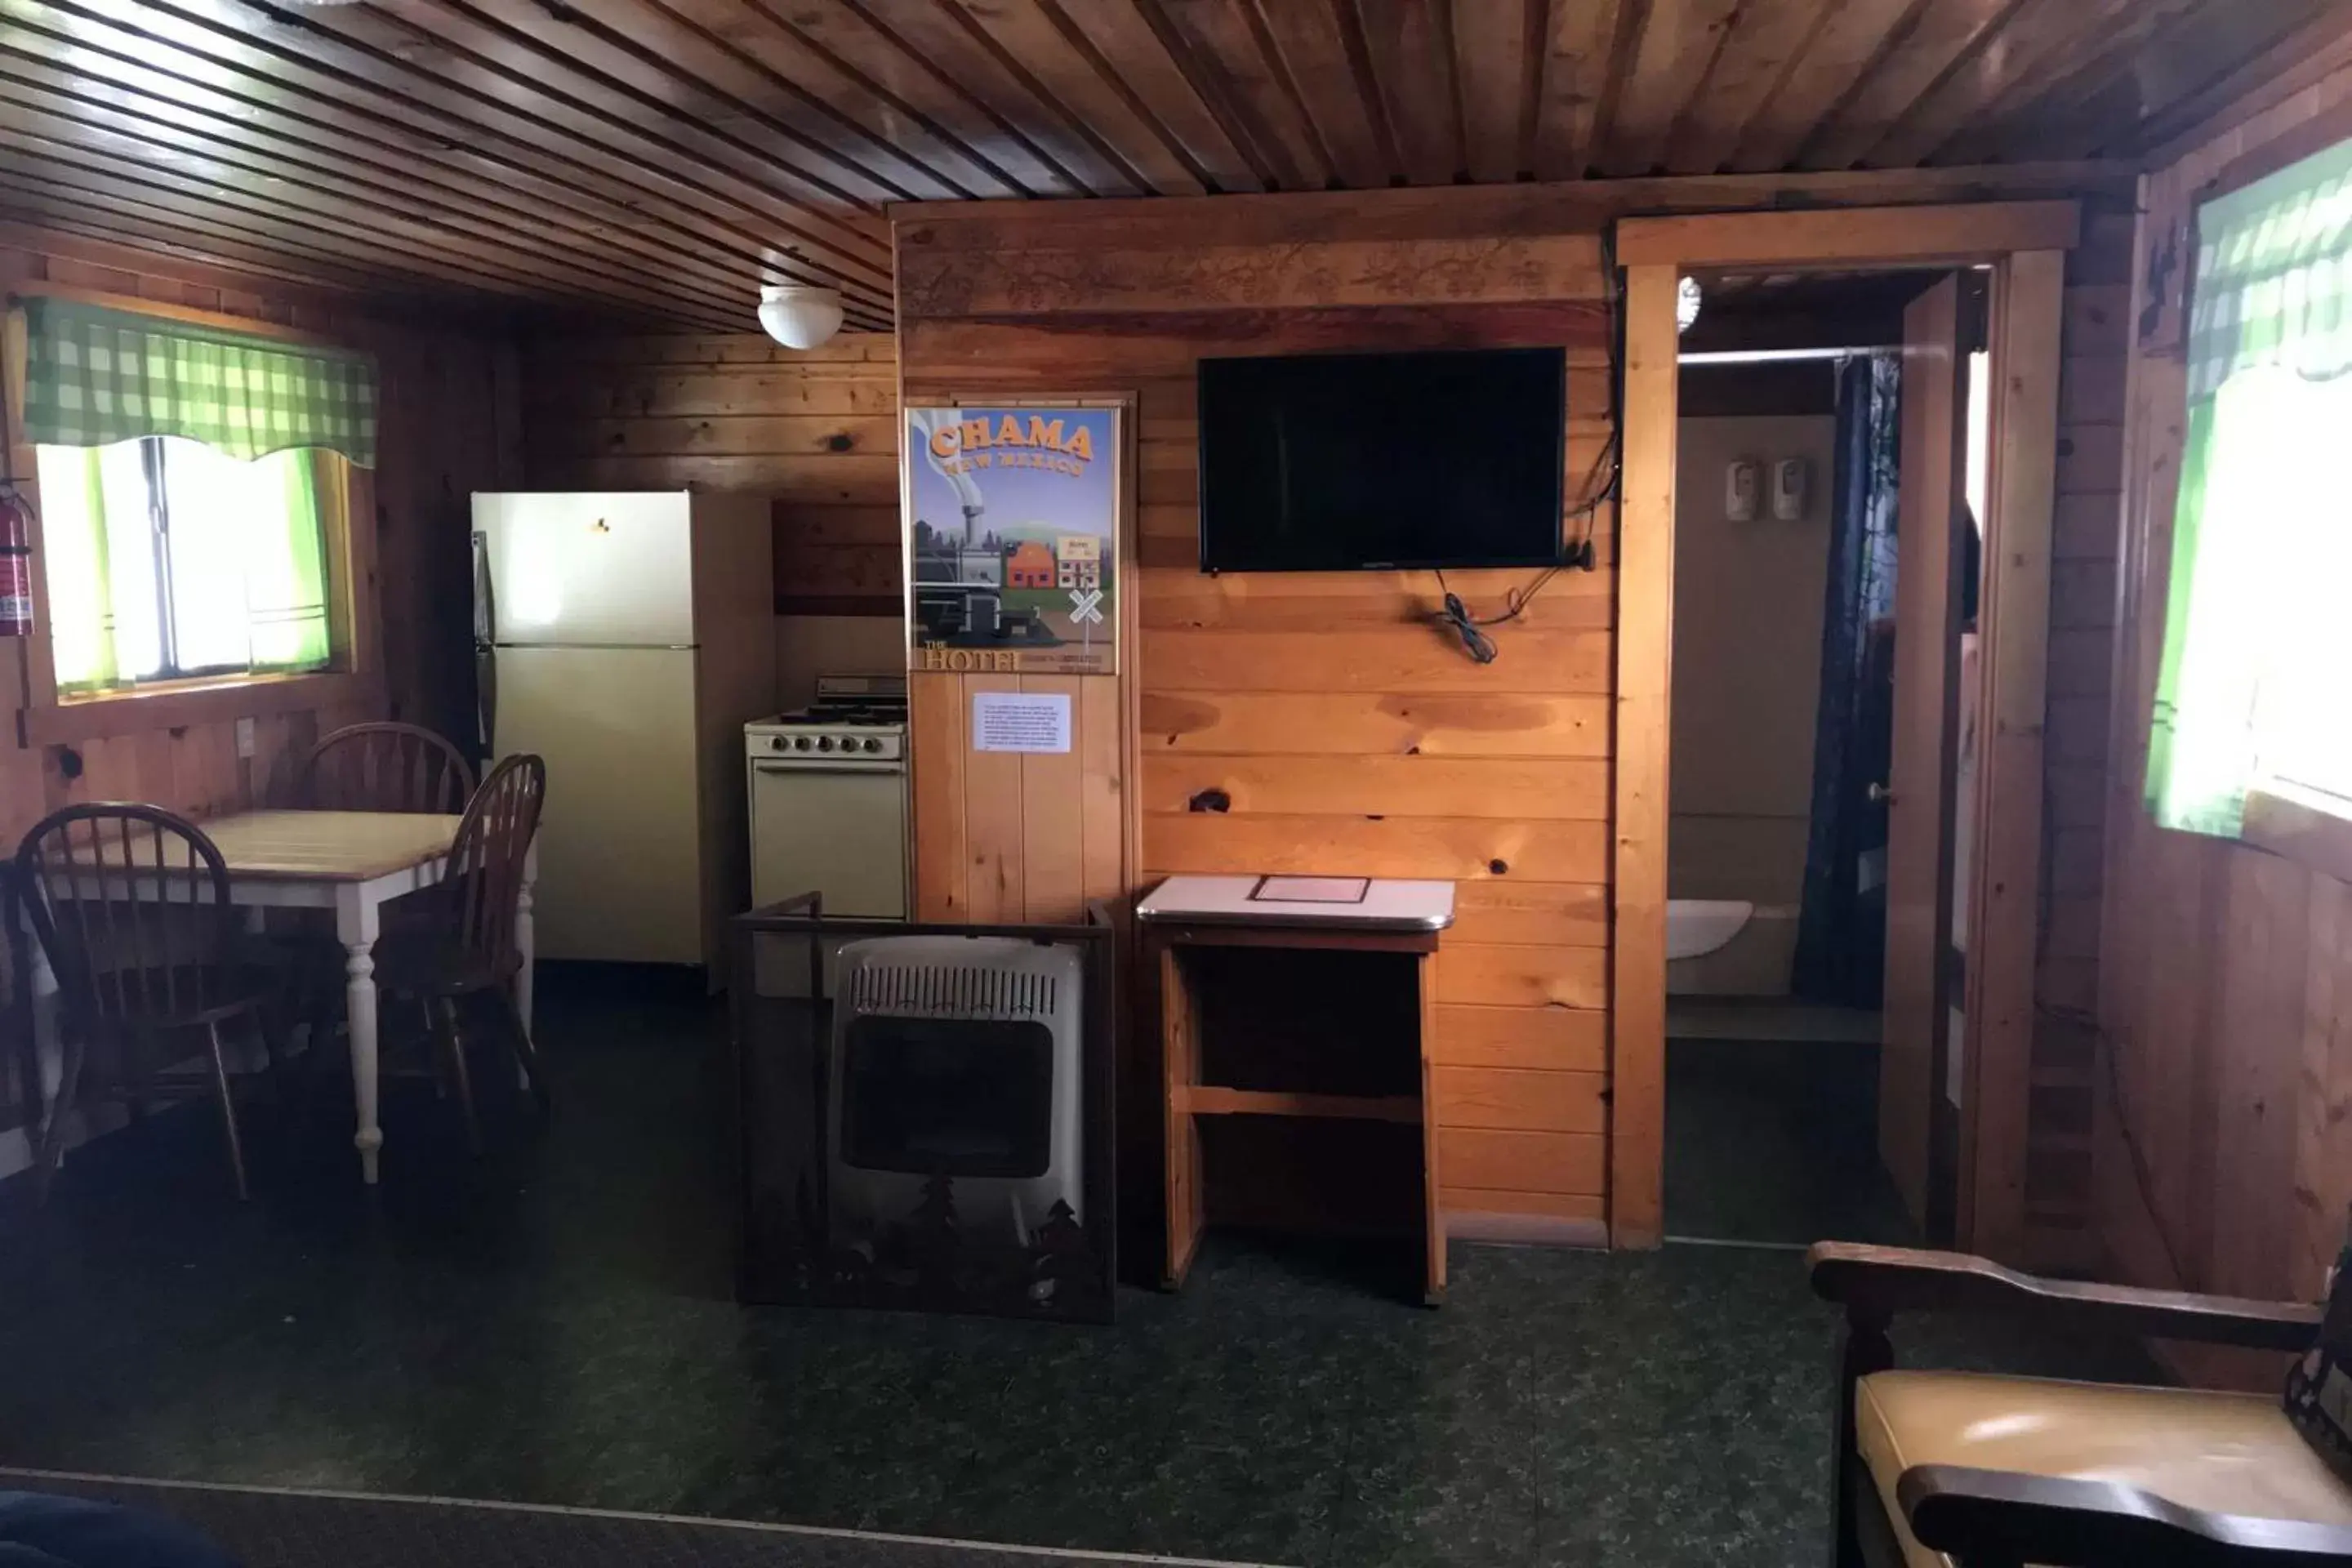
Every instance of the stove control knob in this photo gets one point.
(872, 744)
(800, 742)
(778, 743)
(824, 742)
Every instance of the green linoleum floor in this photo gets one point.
(554, 1325)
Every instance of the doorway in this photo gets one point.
(1825, 565)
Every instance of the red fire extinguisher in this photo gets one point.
(16, 561)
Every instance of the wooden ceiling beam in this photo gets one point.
(1872, 236)
(858, 44)
(1827, 71)
(448, 58)
(108, 62)
(1768, 38)
(1129, 55)
(2310, 47)
(129, 224)
(1324, 64)
(236, 216)
(1220, 57)
(87, 244)
(940, 36)
(1941, 39)
(463, 102)
(1411, 48)
(1062, 72)
(1497, 53)
(96, 128)
(1462, 211)
(1574, 87)
(788, 49)
(803, 114)
(1682, 42)
(2044, 43)
(325, 80)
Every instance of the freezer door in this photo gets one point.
(602, 569)
(620, 843)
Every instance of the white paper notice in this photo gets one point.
(1020, 722)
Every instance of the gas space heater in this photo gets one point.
(955, 1057)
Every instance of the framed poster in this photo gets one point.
(1013, 525)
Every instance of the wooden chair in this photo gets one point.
(385, 767)
(137, 962)
(1937, 1469)
(467, 948)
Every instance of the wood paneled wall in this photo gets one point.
(2057, 1229)
(817, 431)
(1344, 732)
(448, 426)
(1341, 730)
(2224, 988)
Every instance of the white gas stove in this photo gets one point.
(828, 788)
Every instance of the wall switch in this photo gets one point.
(245, 740)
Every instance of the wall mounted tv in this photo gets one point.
(1356, 462)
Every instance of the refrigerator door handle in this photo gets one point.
(485, 697)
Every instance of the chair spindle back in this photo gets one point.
(386, 767)
(131, 905)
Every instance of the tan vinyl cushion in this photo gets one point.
(2224, 1453)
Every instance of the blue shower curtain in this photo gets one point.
(1841, 924)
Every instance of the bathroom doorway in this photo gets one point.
(1825, 557)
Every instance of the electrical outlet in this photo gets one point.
(245, 739)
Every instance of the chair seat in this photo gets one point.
(2221, 1453)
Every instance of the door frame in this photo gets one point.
(2025, 245)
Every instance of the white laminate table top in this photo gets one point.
(1385, 904)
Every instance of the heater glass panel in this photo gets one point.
(949, 1097)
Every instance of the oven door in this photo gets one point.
(836, 829)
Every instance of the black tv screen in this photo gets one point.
(1349, 462)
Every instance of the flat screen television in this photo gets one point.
(1357, 462)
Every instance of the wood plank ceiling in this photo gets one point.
(655, 160)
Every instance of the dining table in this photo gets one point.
(351, 862)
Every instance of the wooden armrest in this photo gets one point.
(1883, 1280)
(1994, 1518)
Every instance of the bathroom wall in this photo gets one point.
(1747, 646)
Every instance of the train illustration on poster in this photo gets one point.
(1013, 516)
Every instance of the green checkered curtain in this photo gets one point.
(95, 376)
(2269, 328)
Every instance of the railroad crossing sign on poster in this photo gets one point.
(1013, 521)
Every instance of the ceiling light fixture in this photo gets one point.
(799, 315)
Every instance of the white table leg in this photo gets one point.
(526, 946)
(356, 927)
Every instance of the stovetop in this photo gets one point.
(862, 714)
(860, 717)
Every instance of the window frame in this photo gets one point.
(2285, 825)
(354, 673)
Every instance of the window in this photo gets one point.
(2256, 686)
(191, 478)
(168, 559)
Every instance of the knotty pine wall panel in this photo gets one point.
(817, 432)
(447, 427)
(1319, 722)
(2221, 1066)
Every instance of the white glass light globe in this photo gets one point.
(799, 316)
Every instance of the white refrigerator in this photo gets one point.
(627, 637)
